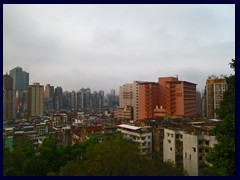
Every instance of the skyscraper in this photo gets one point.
(58, 98)
(35, 100)
(48, 97)
(8, 98)
(20, 86)
(20, 78)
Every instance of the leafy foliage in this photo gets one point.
(117, 157)
(222, 156)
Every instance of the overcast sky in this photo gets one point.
(105, 46)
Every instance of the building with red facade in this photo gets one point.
(147, 100)
(177, 97)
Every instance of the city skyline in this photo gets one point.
(105, 46)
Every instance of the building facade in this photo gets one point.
(49, 97)
(124, 113)
(20, 78)
(141, 135)
(35, 100)
(148, 100)
(9, 107)
(215, 88)
(177, 97)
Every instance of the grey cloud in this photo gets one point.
(104, 46)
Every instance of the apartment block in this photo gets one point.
(35, 100)
(9, 107)
(141, 135)
(124, 113)
(188, 143)
(215, 88)
(128, 96)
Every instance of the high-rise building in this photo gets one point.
(8, 98)
(48, 97)
(215, 87)
(128, 96)
(80, 100)
(66, 100)
(20, 86)
(73, 101)
(35, 99)
(20, 78)
(58, 99)
(101, 99)
(174, 97)
(148, 99)
(95, 100)
(177, 97)
(86, 98)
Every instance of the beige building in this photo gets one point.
(35, 100)
(125, 113)
(215, 87)
(129, 96)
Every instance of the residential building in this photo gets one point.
(124, 113)
(35, 100)
(9, 108)
(141, 135)
(215, 88)
(49, 97)
(188, 142)
(58, 99)
(73, 100)
(20, 78)
(129, 96)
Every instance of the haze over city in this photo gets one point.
(105, 46)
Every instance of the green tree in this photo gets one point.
(222, 155)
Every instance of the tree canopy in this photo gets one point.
(116, 157)
(222, 156)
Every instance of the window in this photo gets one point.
(168, 134)
(207, 142)
(185, 154)
(172, 135)
(200, 158)
(170, 149)
(149, 144)
(200, 150)
(194, 149)
(199, 142)
(206, 150)
(149, 137)
(169, 141)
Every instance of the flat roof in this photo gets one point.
(129, 126)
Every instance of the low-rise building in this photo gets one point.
(141, 135)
